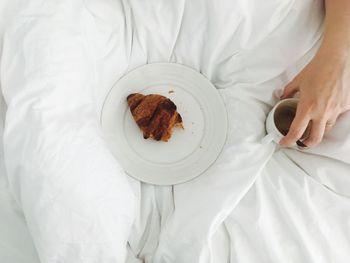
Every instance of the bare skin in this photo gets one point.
(324, 84)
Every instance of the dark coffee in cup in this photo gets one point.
(284, 116)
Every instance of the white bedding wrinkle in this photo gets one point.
(256, 204)
(77, 201)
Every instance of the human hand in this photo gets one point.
(324, 87)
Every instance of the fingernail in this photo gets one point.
(282, 144)
(302, 148)
(301, 145)
(282, 140)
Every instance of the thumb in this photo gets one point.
(290, 89)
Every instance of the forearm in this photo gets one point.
(337, 30)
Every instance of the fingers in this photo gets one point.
(290, 90)
(297, 129)
(318, 128)
(302, 124)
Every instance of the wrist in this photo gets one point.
(333, 52)
(336, 44)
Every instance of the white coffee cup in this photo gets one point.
(279, 120)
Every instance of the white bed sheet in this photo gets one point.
(16, 245)
(66, 199)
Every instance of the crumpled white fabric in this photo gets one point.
(77, 201)
(255, 204)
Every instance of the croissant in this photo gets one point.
(155, 115)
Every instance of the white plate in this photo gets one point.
(189, 152)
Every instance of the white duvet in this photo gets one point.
(65, 199)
